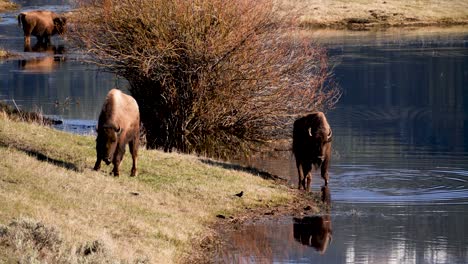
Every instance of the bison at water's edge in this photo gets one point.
(119, 124)
(42, 24)
(312, 138)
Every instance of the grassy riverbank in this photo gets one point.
(369, 14)
(55, 208)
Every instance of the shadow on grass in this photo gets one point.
(42, 157)
(252, 170)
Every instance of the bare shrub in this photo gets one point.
(214, 77)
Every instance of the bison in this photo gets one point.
(119, 124)
(42, 24)
(312, 138)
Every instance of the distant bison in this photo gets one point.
(41, 24)
(119, 124)
(312, 138)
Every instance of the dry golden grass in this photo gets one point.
(363, 14)
(6, 5)
(46, 176)
(4, 53)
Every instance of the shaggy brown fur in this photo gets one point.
(312, 146)
(119, 124)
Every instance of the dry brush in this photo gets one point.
(213, 77)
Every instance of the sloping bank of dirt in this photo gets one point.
(303, 204)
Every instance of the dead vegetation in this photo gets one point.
(211, 77)
(14, 113)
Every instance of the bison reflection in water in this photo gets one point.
(315, 231)
(312, 138)
(43, 63)
(119, 124)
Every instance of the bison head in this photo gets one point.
(319, 139)
(107, 142)
(59, 25)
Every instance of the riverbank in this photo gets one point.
(166, 214)
(383, 14)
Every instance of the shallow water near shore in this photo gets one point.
(399, 173)
(51, 80)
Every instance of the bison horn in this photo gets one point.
(329, 137)
(310, 131)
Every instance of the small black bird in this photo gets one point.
(240, 194)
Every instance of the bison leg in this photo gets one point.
(115, 170)
(134, 150)
(305, 176)
(324, 171)
(309, 180)
(97, 165)
(118, 156)
(300, 173)
(27, 41)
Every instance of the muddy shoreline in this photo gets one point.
(304, 204)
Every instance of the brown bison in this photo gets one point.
(119, 124)
(42, 24)
(312, 138)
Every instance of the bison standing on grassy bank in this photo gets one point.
(41, 24)
(119, 124)
(312, 138)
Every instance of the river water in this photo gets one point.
(53, 82)
(399, 172)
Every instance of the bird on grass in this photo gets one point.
(239, 194)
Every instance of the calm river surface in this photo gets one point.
(399, 174)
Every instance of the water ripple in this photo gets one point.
(368, 184)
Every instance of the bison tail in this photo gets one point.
(20, 18)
